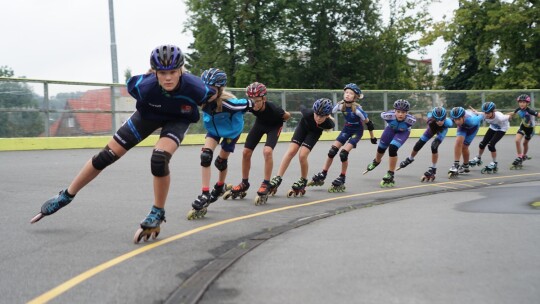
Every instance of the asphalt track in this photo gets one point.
(468, 240)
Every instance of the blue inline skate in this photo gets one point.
(52, 205)
(150, 226)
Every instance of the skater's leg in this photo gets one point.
(344, 157)
(303, 158)
(392, 159)
(221, 165)
(268, 153)
(458, 148)
(287, 157)
(518, 139)
(160, 163)
(206, 161)
(246, 162)
(525, 146)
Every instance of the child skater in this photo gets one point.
(498, 125)
(269, 120)
(437, 125)
(167, 99)
(526, 129)
(223, 119)
(348, 138)
(467, 126)
(307, 133)
(396, 132)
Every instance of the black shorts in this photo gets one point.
(525, 131)
(492, 137)
(255, 134)
(136, 129)
(304, 137)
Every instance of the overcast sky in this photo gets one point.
(70, 39)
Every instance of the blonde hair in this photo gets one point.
(354, 105)
(222, 95)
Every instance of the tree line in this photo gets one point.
(325, 44)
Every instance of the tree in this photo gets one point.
(18, 100)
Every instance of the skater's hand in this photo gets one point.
(373, 140)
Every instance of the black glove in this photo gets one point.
(374, 140)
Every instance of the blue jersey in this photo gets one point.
(396, 125)
(527, 116)
(471, 121)
(352, 119)
(154, 103)
(436, 129)
(229, 123)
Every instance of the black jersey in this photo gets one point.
(308, 121)
(271, 116)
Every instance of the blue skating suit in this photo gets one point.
(229, 123)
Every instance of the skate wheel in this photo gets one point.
(483, 171)
(243, 194)
(227, 194)
(257, 200)
(155, 233)
(423, 179)
(37, 218)
(290, 193)
(138, 235)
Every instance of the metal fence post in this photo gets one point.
(46, 106)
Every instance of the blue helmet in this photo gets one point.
(323, 106)
(214, 77)
(166, 57)
(457, 112)
(439, 113)
(354, 88)
(402, 104)
(488, 107)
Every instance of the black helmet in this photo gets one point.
(166, 57)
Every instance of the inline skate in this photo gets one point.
(317, 179)
(491, 168)
(52, 205)
(476, 161)
(298, 188)
(525, 157)
(453, 172)
(517, 164)
(200, 207)
(388, 180)
(338, 185)
(464, 169)
(238, 191)
(150, 226)
(371, 166)
(274, 184)
(429, 175)
(262, 194)
(217, 192)
(405, 163)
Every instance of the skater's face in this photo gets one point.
(440, 123)
(459, 121)
(320, 119)
(400, 115)
(522, 104)
(258, 103)
(170, 79)
(349, 95)
(490, 115)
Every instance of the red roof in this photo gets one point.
(91, 123)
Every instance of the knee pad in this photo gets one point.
(392, 151)
(435, 146)
(491, 148)
(221, 163)
(344, 155)
(159, 163)
(104, 158)
(419, 144)
(482, 145)
(381, 150)
(206, 157)
(333, 151)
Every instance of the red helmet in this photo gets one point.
(256, 89)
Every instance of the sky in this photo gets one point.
(70, 39)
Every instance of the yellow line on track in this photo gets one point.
(60, 289)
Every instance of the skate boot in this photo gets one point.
(298, 188)
(525, 157)
(405, 163)
(274, 184)
(371, 166)
(52, 205)
(491, 168)
(217, 192)
(476, 161)
(464, 169)
(453, 172)
(338, 185)
(429, 175)
(517, 164)
(150, 226)
(239, 191)
(317, 179)
(200, 207)
(262, 194)
(388, 180)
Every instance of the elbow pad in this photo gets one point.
(370, 126)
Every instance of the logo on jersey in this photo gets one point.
(186, 109)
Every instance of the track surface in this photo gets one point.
(468, 240)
